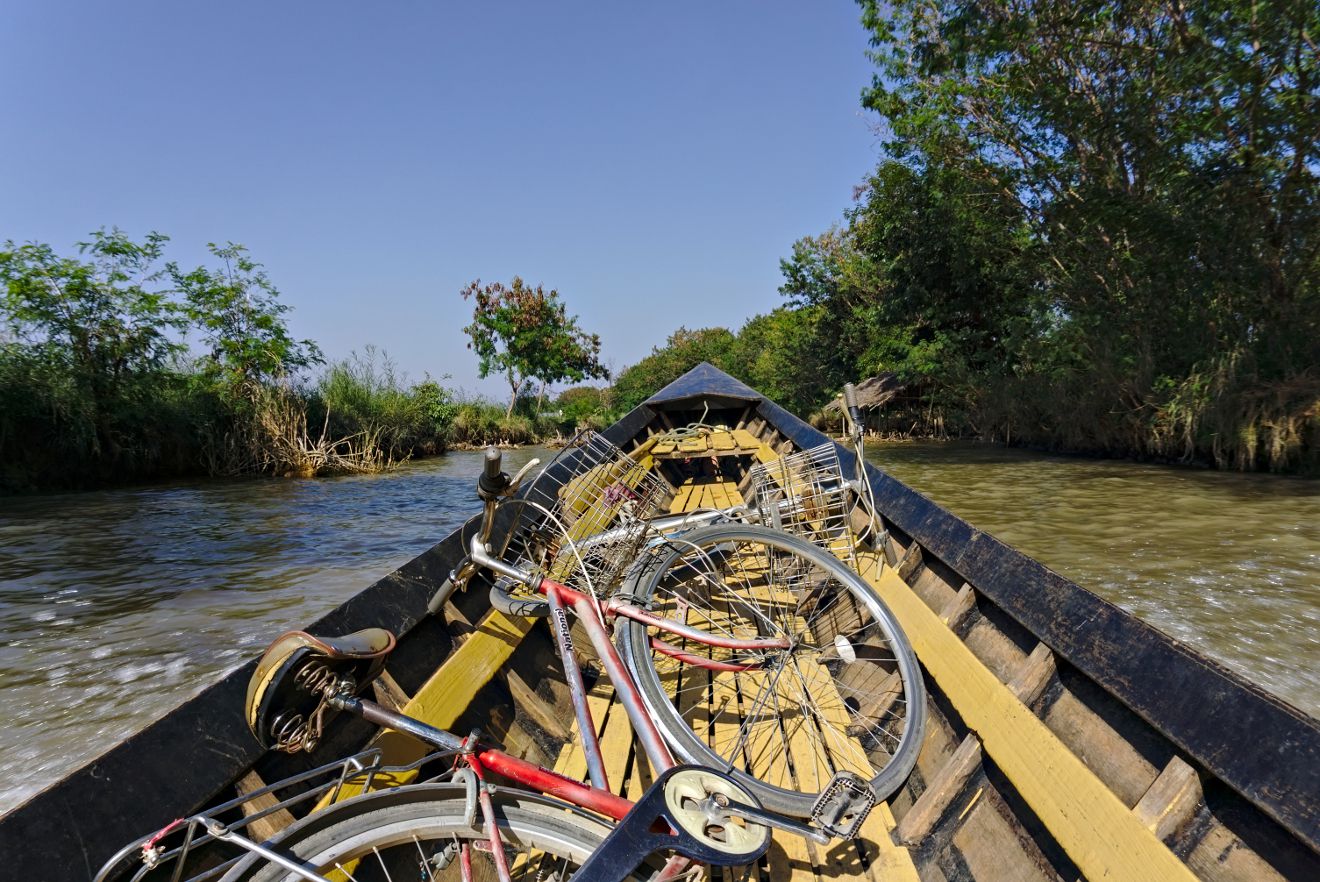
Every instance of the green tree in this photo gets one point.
(683, 351)
(1103, 220)
(94, 333)
(582, 405)
(526, 334)
(784, 354)
(241, 320)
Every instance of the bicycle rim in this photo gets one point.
(846, 696)
(417, 832)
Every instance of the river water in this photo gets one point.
(115, 606)
(1225, 562)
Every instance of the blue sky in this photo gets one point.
(653, 162)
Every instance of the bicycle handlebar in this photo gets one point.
(850, 402)
(492, 482)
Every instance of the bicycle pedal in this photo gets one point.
(843, 805)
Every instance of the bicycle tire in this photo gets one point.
(853, 698)
(398, 829)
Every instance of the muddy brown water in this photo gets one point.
(115, 606)
(1227, 563)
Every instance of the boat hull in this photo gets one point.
(1064, 732)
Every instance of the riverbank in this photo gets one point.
(99, 386)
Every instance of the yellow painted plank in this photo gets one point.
(692, 496)
(572, 759)
(682, 498)
(725, 494)
(748, 441)
(890, 861)
(1100, 834)
(745, 439)
(646, 448)
(444, 697)
(790, 859)
(695, 445)
(722, 440)
(615, 741)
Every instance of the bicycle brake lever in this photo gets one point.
(516, 480)
(457, 580)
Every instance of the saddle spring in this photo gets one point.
(317, 678)
(294, 732)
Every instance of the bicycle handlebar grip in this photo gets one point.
(850, 401)
(493, 460)
(492, 480)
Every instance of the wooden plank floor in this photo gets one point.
(712, 703)
(718, 442)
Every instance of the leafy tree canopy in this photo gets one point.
(683, 351)
(103, 313)
(241, 320)
(526, 333)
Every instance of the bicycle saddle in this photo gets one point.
(286, 696)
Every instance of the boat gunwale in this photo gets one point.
(1261, 747)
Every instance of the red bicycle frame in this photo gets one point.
(592, 613)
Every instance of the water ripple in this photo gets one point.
(1227, 563)
(116, 606)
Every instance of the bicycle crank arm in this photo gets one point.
(778, 822)
(678, 813)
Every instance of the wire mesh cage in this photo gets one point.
(584, 517)
(805, 494)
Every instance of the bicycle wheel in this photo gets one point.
(846, 695)
(416, 832)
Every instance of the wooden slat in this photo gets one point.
(957, 609)
(1101, 836)
(795, 738)
(541, 712)
(1171, 801)
(388, 692)
(572, 759)
(748, 441)
(682, 499)
(890, 862)
(731, 495)
(940, 792)
(615, 743)
(1034, 675)
(694, 446)
(720, 717)
(262, 828)
(909, 563)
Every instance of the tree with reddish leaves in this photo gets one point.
(526, 333)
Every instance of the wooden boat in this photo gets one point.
(1066, 739)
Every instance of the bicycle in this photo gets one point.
(722, 581)
(807, 663)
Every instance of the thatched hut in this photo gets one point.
(890, 407)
